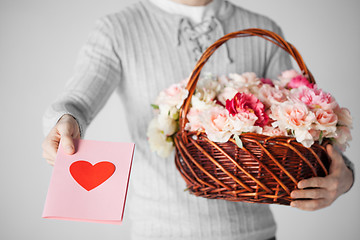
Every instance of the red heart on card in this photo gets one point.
(91, 176)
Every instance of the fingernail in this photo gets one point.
(69, 149)
(293, 204)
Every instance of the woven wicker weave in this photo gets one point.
(265, 170)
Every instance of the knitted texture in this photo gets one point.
(138, 52)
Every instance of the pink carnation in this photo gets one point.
(344, 116)
(288, 74)
(294, 116)
(246, 102)
(194, 123)
(316, 98)
(299, 81)
(271, 95)
(225, 94)
(326, 117)
(326, 121)
(244, 122)
(267, 81)
(172, 96)
(216, 124)
(343, 136)
(273, 131)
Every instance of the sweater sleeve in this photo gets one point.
(97, 73)
(350, 165)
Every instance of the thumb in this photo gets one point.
(336, 158)
(67, 143)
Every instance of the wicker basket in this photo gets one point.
(265, 170)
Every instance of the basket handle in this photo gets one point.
(265, 34)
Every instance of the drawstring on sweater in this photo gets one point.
(201, 35)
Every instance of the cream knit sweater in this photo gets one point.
(138, 52)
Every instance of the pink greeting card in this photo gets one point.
(90, 185)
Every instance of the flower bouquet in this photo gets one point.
(245, 138)
(225, 107)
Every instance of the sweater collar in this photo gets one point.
(196, 14)
(223, 11)
(220, 11)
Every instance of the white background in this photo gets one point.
(39, 41)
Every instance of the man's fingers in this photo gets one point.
(315, 182)
(49, 155)
(48, 158)
(63, 132)
(50, 161)
(50, 147)
(310, 193)
(336, 158)
(331, 151)
(310, 205)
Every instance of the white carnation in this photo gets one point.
(158, 141)
(167, 124)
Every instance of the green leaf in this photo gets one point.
(321, 137)
(154, 106)
(238, 141)
(175, 116)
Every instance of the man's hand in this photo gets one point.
(323, 191)
(64, 131)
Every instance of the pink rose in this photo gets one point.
(299, 81)
(246, 102)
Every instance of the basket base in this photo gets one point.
(281, 199)
(266, 170)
